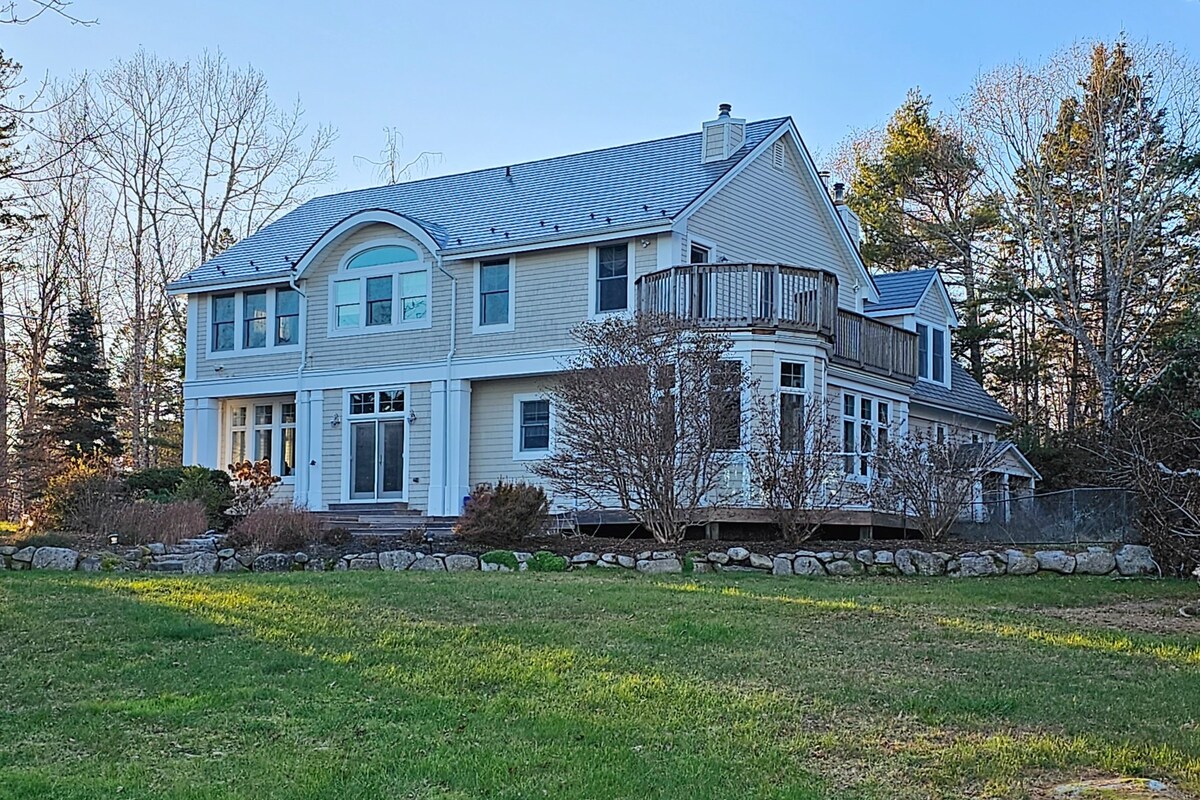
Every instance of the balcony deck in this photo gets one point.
(780, 297)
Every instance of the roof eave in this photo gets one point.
(1007, 419)
(184, 286)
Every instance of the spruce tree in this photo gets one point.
(80, 417)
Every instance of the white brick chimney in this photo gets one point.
(722, 137)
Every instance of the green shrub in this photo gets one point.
(81, 498)
(154, 483)
(504, 558)
(503, 515)
(545, 561)
(278, 529)
(211, 487)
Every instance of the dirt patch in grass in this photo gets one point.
(1142, 616)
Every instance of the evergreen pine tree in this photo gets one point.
(80, 417)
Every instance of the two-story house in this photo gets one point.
(393, 344)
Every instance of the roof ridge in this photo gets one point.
(531, 161)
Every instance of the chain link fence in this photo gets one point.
(1071, 516)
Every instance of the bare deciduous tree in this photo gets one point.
(932, 479)
(648, 417)
(1094, 158)
(795, 463)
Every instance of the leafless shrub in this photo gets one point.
(648, 417)
(276, 528)
(144, 522)
(503, 515)
(931, 479)
(795, 464)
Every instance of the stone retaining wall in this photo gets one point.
(205, 555)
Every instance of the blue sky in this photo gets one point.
(489, 83)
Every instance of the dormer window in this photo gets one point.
(380, 287)
(933, 353)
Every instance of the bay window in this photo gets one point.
(866, 424)
(254, 319)
(792, 397)
(222, 322)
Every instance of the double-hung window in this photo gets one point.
(495, 293)
(612, 278)
(932, 352)
(532, 423)
(253, 320)
(381, 287)
(222, 322)
(726, 405)
(922, 350)
(287, 317)
(791, 406)
(939, 355)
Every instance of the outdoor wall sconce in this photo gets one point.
(112, 539)
(336, 421)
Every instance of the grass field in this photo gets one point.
(357, 685)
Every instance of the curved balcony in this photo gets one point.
(778, 296)
(743, 296)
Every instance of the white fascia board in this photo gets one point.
(550, 243)
(258, 279)
(960, 412)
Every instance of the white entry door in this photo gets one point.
(377, 460)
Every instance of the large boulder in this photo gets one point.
(781, 566)
(232, 565)
(1136, 559)
(23, 557)
(364, 561)
(60, 558)
(201, 564)
(759, 561)
(738, 553)
(1020, 563)
(807, 565)
(273, 562)
(977, 566)
(657, 566)
(1055, 561)
(396, 560)
(1095, 561)
(842, 568)
(428, 564)
(461, 563)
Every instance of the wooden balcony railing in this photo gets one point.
(735, 296)
(743, 296)
(875, 346)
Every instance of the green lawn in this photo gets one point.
(372, 685)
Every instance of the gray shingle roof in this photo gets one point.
(964, 395)
(898, 290)
(585, 193)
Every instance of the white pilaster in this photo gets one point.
(459, 462)
(437, 446)
(201, 431)
(311, 450)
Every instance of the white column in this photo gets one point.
(201, 431)
(458, 467)
(437, 448)
(302, 473)
(311, 463)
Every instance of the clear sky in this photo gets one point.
(494, 83)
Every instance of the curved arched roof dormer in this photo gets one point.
(421, 232)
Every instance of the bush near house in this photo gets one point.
(503, 515)
(278, 529)
(145, 522)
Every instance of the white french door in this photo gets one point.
(377, 459)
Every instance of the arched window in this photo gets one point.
(389, 289)
(382, 256)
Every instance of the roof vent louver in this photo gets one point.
(722, 137)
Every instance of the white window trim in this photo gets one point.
(239, 324)
(806, 392)
(530, 455)
(707, 244)
(394, 270)
(931, 327)
(871, 422)
(345, 425)
(477, 297)
(276, 427)
(594, 277)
